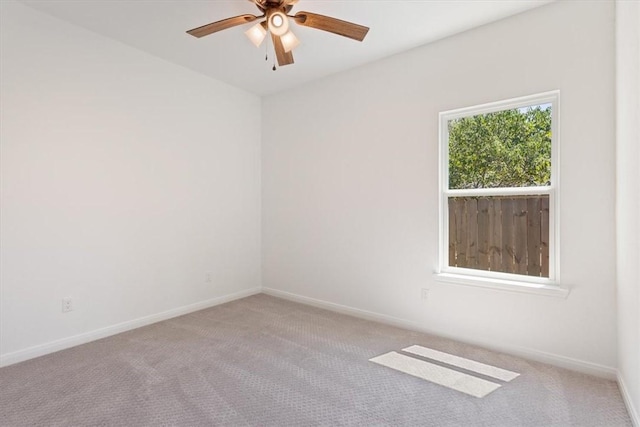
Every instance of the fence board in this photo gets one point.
(461, 233)
(533, 236)
(544, 236)
(520, 244)
(483, 233)
(508, 235)
(472, 232)
(495, 234)
(452, 231)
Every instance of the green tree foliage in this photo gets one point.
(510, 148)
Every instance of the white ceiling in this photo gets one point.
(158, 27)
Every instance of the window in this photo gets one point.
(499, 181)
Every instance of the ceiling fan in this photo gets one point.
(276, 22)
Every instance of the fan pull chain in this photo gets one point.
(266, 54)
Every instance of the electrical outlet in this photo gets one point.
(67, 304)
(424, 294)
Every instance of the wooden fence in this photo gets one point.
(506, 234)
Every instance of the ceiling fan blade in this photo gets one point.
(332, 25)
(284, 58)
(214, 27)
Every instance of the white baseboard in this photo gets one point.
(552, 359)
(526, 353)
(51, 347)
(633, 413)
(343, 309)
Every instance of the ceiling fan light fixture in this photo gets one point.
(289, 41)
(256, 34)
(278, 23)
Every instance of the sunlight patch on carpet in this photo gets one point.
(461, 362)
(437, 374)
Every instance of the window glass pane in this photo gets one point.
(508, 234)
(510, 148)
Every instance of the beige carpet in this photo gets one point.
(263, 361)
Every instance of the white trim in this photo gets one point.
(51, 347)
(343, 309)
(505, 191)
(525, 353)
(508, 104)
(504, 279)
(550, 289)
(483, 276)
(633, 413)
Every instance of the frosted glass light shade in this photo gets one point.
(256, 34)
(278, 23)
(289, 41)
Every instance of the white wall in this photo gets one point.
(628, 198)
(125, 179)
(350, 184)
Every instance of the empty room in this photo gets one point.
(304, 212)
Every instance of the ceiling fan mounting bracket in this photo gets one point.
(270, 5)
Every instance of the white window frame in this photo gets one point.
(494, 279)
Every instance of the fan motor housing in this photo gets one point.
(273, 5)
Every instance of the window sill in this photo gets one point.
(503, 285)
